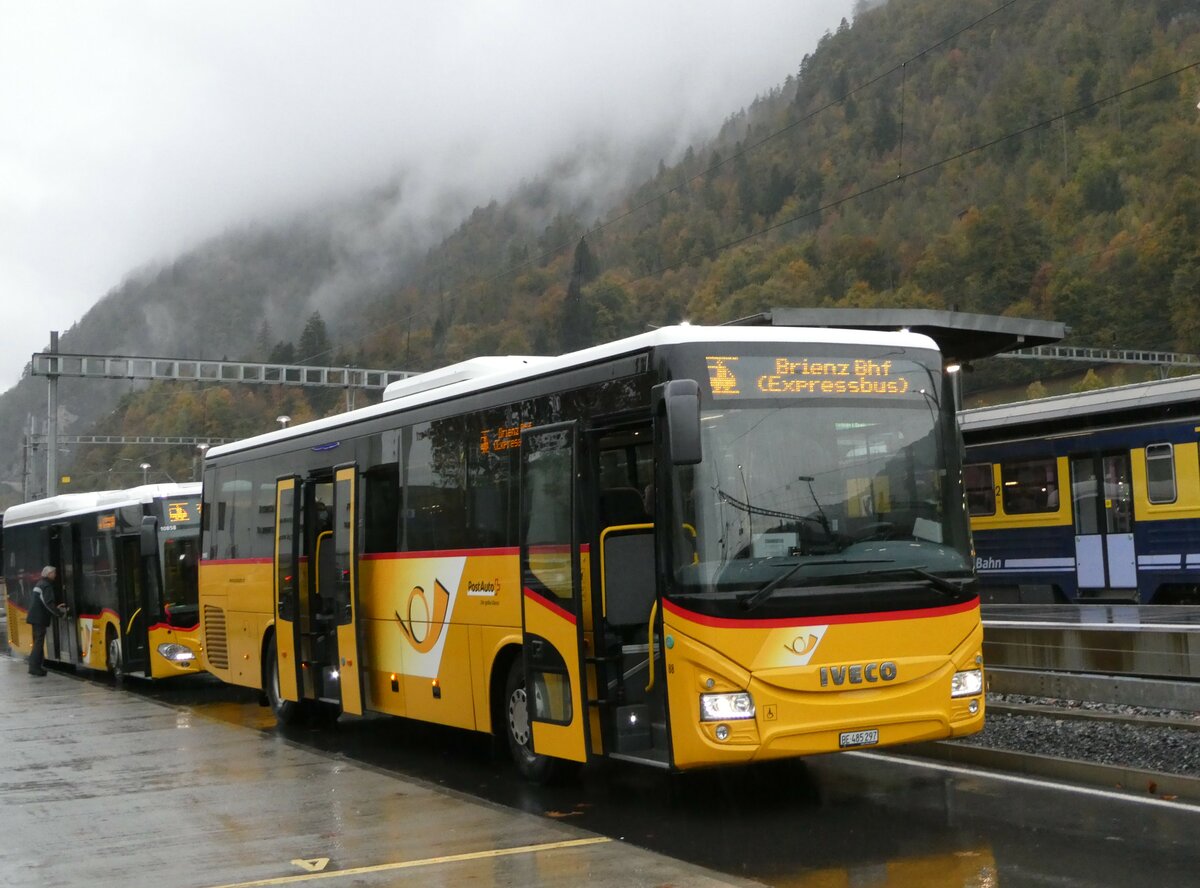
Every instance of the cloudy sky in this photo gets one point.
(130, 131)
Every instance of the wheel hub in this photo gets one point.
(518, 716)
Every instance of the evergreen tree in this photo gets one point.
(575, 326)
(314, 346)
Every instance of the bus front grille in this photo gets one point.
(216, 642)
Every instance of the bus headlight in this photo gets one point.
(177, 653)
(726, 707)
(967, 684)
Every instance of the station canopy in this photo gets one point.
(961, 336)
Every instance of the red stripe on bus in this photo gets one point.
(173, 628)
(550, 605)
(225, 561)
(829, 619)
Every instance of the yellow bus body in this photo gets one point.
(794, 713)
(92, 651)
(442, 671)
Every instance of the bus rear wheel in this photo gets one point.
(530, 765)
(112, 650)
(287, 712)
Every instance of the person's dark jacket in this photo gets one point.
(42, 607)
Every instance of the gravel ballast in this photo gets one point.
(1149, 747)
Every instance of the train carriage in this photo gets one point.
(1088, 497)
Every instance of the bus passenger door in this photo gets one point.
(345, 591)
(63, 637)
(288, 642)
(550, 601)
(1102, 497)
(628, 640)
(138, 596)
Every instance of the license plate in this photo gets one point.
(858, 738)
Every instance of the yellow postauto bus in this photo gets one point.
(127, 563)
(694, 547)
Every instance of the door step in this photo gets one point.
(653, 759)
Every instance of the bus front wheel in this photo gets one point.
(530, 765)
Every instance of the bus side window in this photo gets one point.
(981, 496)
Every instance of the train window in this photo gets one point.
(981, 496)
(1030, 486)
(1160, 473)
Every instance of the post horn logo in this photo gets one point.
(424, 625)
(802, 645)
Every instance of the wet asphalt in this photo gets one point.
(846, 820)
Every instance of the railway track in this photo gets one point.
(1145, 752)
(1101, 695)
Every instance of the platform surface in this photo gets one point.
(104, 788)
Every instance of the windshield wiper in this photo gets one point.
(766, 591)
(766, 513)
(942, 584)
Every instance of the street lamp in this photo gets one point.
(145, 467)
(955, 373)
(198, 460)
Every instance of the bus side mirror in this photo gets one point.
(682, 397)
(149, 536)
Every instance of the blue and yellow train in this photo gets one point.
(1088, 497)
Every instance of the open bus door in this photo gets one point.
(626, 612)
(552, 636)
(62, 638)
(316, 668)
(289, 619)
(345, 587)
(139, 599)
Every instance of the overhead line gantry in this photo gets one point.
(54, 364)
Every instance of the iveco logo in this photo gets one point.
(859, 673)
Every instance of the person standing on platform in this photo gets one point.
(43, 608)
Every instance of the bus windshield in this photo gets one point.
(810, 502)
(179, 542)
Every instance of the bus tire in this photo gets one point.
(112, 654)
(530, 765)
(287, 712)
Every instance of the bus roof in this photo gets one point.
(517, 369)
(70, 504)
(1109, 403)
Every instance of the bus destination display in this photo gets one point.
(759, 376)
(183, 511)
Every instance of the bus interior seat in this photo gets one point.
(629, 583)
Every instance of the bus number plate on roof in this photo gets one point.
(858, 738)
